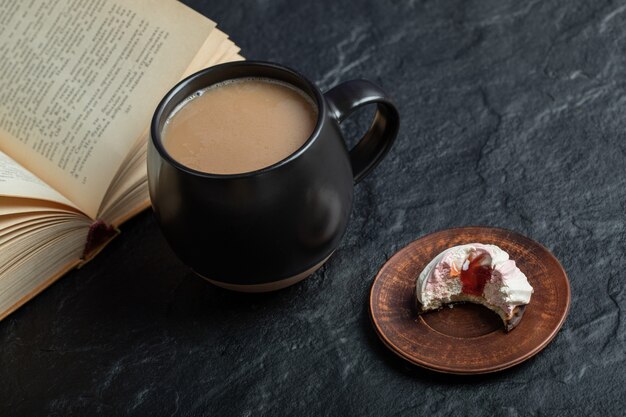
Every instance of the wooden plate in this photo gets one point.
(468, 338)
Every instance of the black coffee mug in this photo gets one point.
(270, 228)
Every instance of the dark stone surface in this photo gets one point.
(512, 116)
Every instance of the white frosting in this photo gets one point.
(507, 287)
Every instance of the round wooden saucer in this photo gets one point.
(468, 338)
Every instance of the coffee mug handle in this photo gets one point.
(343, 100)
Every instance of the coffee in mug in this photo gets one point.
(239, 125)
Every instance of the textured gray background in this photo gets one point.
(512, 116)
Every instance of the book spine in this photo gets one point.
(99, 235)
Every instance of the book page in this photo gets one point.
(20, 205)
(79, 82)
(50, 249)
(16, 181)
(209, 49)
(222, 47)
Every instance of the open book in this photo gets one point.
(79, 82)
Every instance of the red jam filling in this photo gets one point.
(476, 275)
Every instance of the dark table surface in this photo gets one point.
(512, 116)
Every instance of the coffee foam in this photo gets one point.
(199, 93)
(240, 125)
